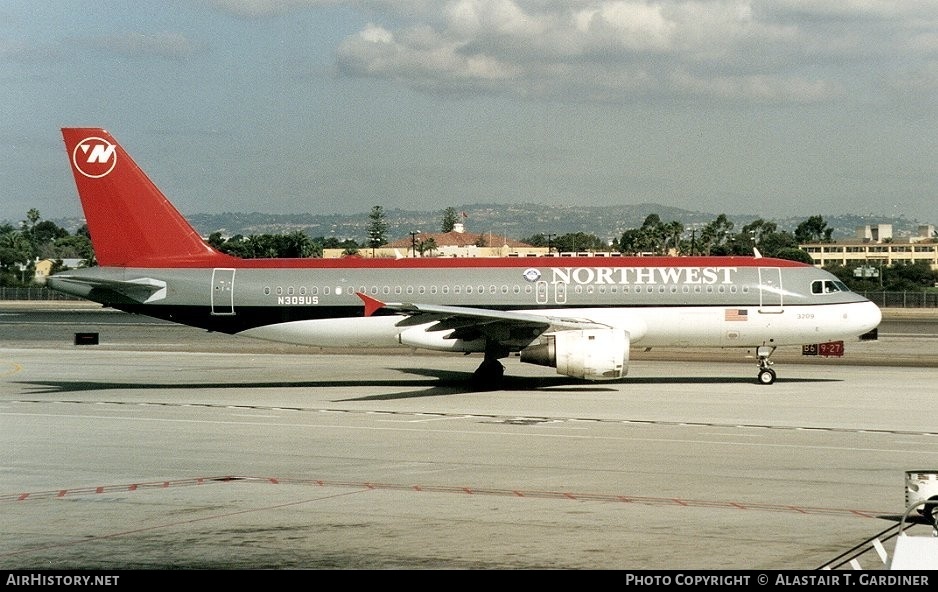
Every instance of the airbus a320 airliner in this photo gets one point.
(580, 315)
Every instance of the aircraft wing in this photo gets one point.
(466, 320)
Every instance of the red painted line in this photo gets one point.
(653, 501)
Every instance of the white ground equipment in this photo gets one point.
(921, 495)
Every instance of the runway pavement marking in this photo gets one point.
(13, 369)
(505, 419)
(170, 524)
(361, 486)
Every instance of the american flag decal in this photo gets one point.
(736, 314)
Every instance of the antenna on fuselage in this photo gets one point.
(756, 253)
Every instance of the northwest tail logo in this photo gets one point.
(94, 157)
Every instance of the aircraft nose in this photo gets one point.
(867, 317)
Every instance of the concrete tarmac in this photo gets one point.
(165, 447)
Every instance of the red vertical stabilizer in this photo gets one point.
(131, 222)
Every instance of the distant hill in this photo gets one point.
(517, 221)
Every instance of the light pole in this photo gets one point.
(413, 242)
(549, 236)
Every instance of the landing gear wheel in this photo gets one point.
(929, 511)
(766, 376)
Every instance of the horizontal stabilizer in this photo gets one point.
(143, 290)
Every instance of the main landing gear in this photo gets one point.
(490, 372)
(766, 374)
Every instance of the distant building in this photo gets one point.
(456, 243)
(876, 246)
(44, 267)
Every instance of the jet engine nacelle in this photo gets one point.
(590, 354)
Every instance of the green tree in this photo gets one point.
(32, 217)
(672, 232)
(536, 240)
(578, 241)
(349, 246)
(715, 236)
(426, 246)
(813, 230)
(69, 247)
(46, 231)
(773, 244)
(652, 234)
(15, 252)
(296, 244)
(631, 242)
(15, 249)
(916, 276)
(377, 228)
(216, 240)
(450, 219)
(793, 254)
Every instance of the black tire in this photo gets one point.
(930, 510)
(766, 376)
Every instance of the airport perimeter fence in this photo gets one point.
(34, 293)
(923, 299)
(906, 299)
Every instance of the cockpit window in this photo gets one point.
(828, 286)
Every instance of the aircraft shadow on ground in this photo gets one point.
(912, 519)
(429, 383)
(435, 384)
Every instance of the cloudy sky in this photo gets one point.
(777, 108)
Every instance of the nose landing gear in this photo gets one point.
(766, 374)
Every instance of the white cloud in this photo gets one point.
(630, 48)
